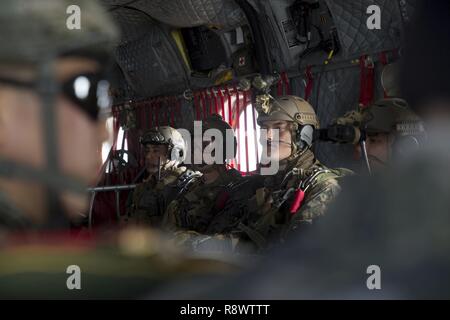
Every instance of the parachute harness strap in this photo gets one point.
(303, 187)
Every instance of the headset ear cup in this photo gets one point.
(404, 146)
(177, 154)
(305, 136)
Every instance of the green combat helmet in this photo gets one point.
(33, 35)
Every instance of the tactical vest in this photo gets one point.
(150, 198)
(235, 209)
(285, 199)
(196, 208)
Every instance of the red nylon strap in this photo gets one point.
(298, 200)
(214, 97)
(158, 106)
(222, 103)
(285, 78)
(136, 107)
(197, 105)
(383, 58)
(152, 113)
(237, 125)
(280, 87)
(208, 103)
(178, 107)
(246, 131)
(163, 109)
(255, 135)
(146, 114)
(144, 111)
(166, 110)
(203, 99)
(309, 82)
(138, 113)
(172, 110)
(221, 200)
(367, 81)
(230, 118)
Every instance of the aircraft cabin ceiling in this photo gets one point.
(170, 47)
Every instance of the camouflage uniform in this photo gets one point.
(199, 205)
(392, 117)
(272, 213)
(264, 210)
(302, 189)
(195, 209)
(150, 199)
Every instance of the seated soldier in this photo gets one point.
(393, 131)
(390, 131)
(196, 208)
(303, 187)
(264, 210)
(165, 150)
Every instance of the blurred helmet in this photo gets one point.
(391, 115)
(39, 30)
(34, 34)
(169, 136)
(394, 117)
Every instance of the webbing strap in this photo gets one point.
(366, 80)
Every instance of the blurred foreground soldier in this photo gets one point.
(126, 264)
(383, 132)
(197, 207)
(52, 91)
(165, 150)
